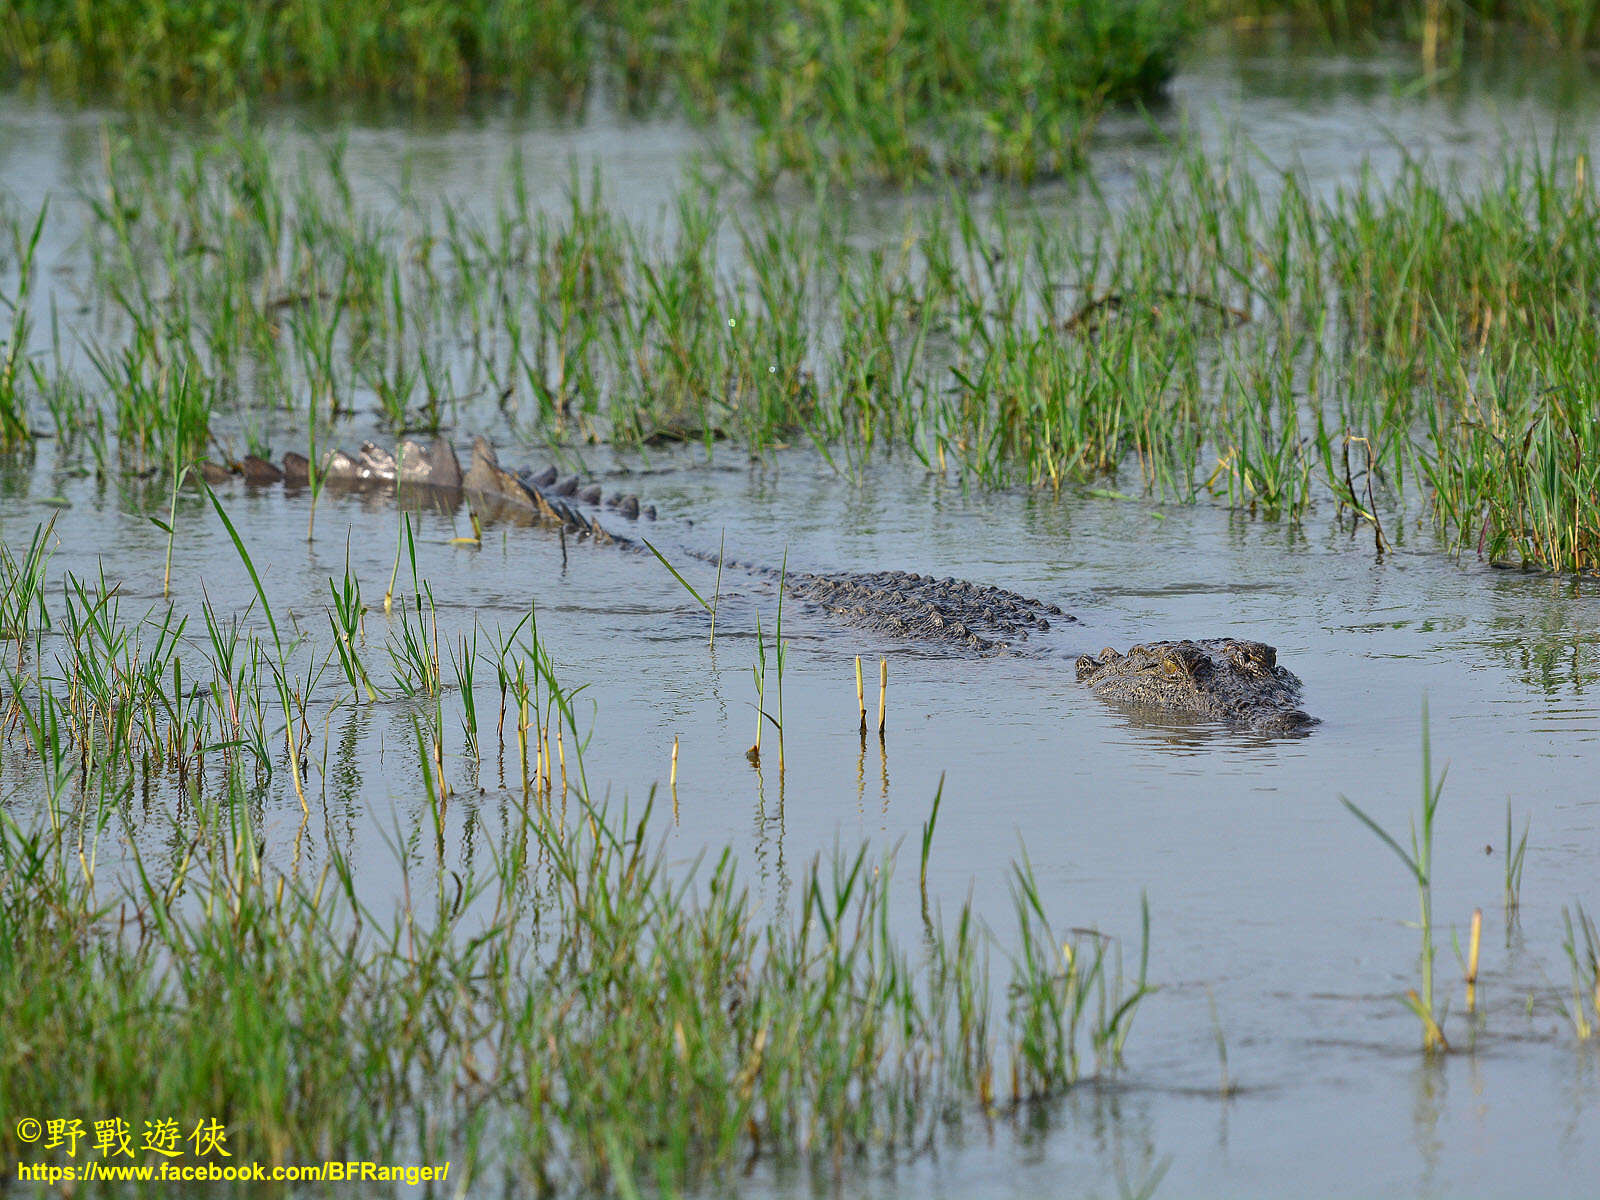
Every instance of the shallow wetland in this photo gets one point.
(1273, 1052)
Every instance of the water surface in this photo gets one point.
(1278, 922)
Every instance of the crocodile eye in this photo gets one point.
(1172, 667)
(1257, 656)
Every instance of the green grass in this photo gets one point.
(1409, 346)
(829, 88)
(1419, 865)
(571, 1017)
(1443, 31)
(23, 614)
(1516, 853)
(1413, 344)
(14, 428)
(546, 1001)
(1582, 947)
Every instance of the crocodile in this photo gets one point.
(1228, 681)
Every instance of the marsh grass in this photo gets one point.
(832, 88)
(1062, 986)
(14, 428)
(928, 828)
(414, 646)
(346, 620)
(464, 657)
(1419, 864)
(1442, 33)
(1582, 947)
(566, 1011)
(590, 1017)
(279, 666)
(1414, 342)
(169, 525)
(22, 585)
(1516, 855)
(758, 672)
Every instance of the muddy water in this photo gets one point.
(1278, 922)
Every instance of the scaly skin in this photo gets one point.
(903, 604)
(1220, 679)
(1232, 682)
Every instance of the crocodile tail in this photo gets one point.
(486, 478)
(444, 468)
(431, 466)
(259, 471)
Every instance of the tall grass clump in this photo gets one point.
(834, 88)
(1483, 298)
(559, 1006)
(854, 86)
(567, 1019)
(1218, 333)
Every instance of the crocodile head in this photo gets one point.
(1219, 679)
